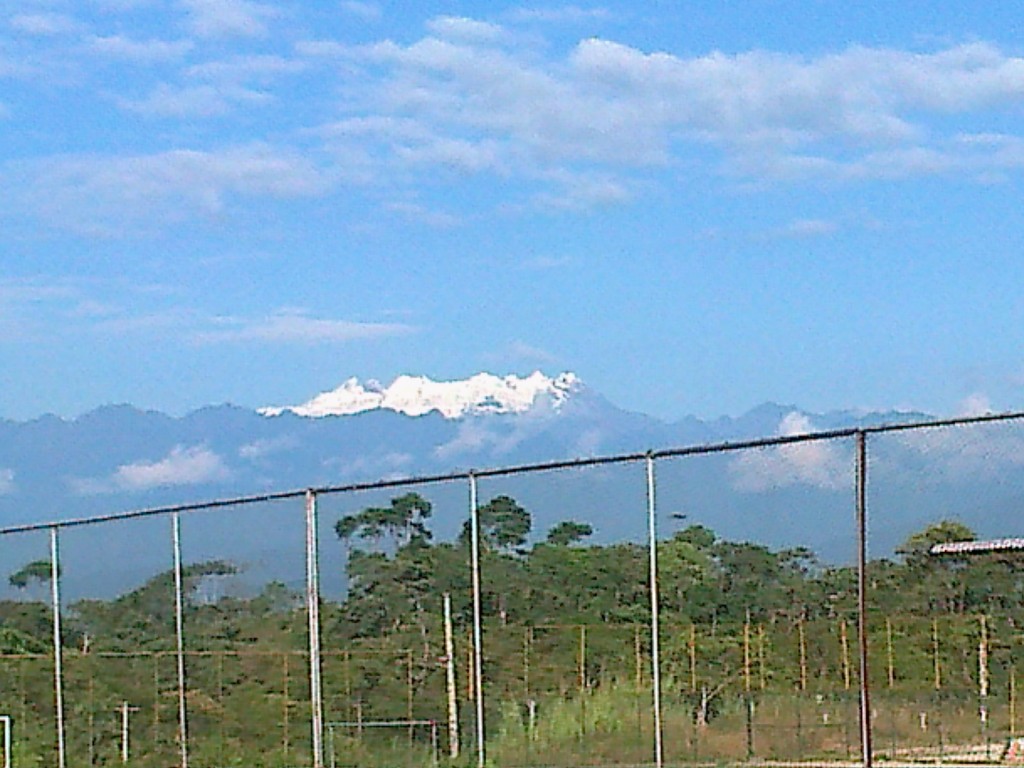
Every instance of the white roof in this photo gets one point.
(973, 547)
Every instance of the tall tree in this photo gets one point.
(504, 525)
(569, 532)
(404, 521)
(38, 571)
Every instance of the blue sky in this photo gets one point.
(695, 207)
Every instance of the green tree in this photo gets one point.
(504, 525)
(915, 550)
(569, 532)
(38, 571)
(936, 583)
(403, 521)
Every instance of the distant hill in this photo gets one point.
(119, 458)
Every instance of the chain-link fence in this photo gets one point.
(713, 603)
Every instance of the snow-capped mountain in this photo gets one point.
(483, 393)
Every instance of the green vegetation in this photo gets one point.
(758, 652)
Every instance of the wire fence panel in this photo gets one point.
(388, 557)
(945, 629)
(759, 639)
(397, 623)
(564, 581)
(26, 646)
(245, 635)
(118, 612)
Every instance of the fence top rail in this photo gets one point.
(519, 469)
(381, 723)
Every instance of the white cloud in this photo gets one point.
(327, 49)
(818, 463)
(164, 323)
(472, 436)
(193, 101)
(982, 451)
(960, 453)
(608, 108)
(263, 68)
(579, 128)
(292, 328)
(530, 353)
(567, 14)
(44, 24)
(120, 6)
(423, 215)
(90, 308)
(463, 29)
(476, 436)
(976, 404)
(228, 18)
(7, 485)
(260, 449)
(581, 191)
(24, 290)
(15, 68)
(182, 466)
(365, 11)
(109, 195)
(26, 307)
(387, 128)
(385, 466)
(43, 309)
(452, 154)
(141, 51)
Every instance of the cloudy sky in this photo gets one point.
(697, 207)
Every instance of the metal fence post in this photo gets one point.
(180, 637)
(453, 704)
(58, 644)
(478, 664)
(862, 620)
(655, 631)
(313, 613)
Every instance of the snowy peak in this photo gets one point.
(418, 395)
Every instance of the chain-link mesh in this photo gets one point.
(760, 637)
(26, 646)
(387, 559)
(309, 628)
(945, 631)
(564, 582)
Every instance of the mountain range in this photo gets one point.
(119, 458)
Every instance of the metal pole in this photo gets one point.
(6, 720)
(862, 618)
(652, 533)
(478, 662)
(58, 645)
(449, 655)
(124, 732)
(180, 631)
(983, 680)
(1013, 702)
(749, 700)
(313, 612)
(125, 709)
(285, 707)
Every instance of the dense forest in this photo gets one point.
(567, 664)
